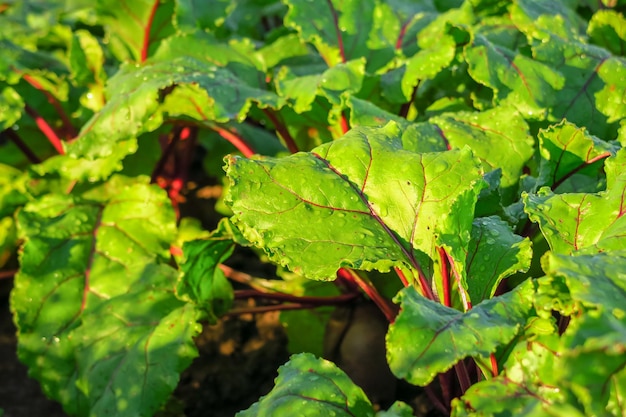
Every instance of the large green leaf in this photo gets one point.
(98, 322)
(209, 93)
(307, 386)
(380, 206)
(576, 221)
(441, 336)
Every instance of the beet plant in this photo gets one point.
(458, 164)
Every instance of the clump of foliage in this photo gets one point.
(459, 161)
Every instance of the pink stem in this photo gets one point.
(46, 129)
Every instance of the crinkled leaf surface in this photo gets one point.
(441, 336)
(593, 91)
(499, 137)
(596, 280)
(494, 253)
(525, 387)
(571, 222)
(379, 206)
(595, 362)
(517, 80)
(89, 265)
(607, 28)
(341, 79)
(134, 106)
(338, 29)
(566, 148)
(203, 282)
(308, 386)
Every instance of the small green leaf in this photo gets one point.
(526, 386)
(203, 282)
(517, 80)
(596, 343)
(572, 222)
(339, 29)
(494, 253)
(595, 280)
(441, 336)
(565, 149)
(397, 409)
(607, 28)
(307, 386)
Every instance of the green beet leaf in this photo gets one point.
(516, 80)
(380, 206)
(595, 280)
(308, 386)
(594, 358)
(131, 349)
(607, 28)
(98, 322)
(525, 387)
(135, 28)
(134, 108)
(494, 253)
(567, 149)
(577, 221)
(499, 137)
(340, 29)
(441, 336)
(203, 282)
(593, 91)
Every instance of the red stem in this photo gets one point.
(317, 301)
(267, 309)
(158, 169)
(68, 127)
(146, 31)
(46, 129)
(236, 140)
(462, 376)
(13, 136)
(494, 364)
(402, 277)
(434, 399)
(345, 126)
(467, 304)
(445, 277)
(387, 307)
(282, 131)
(8, 274)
